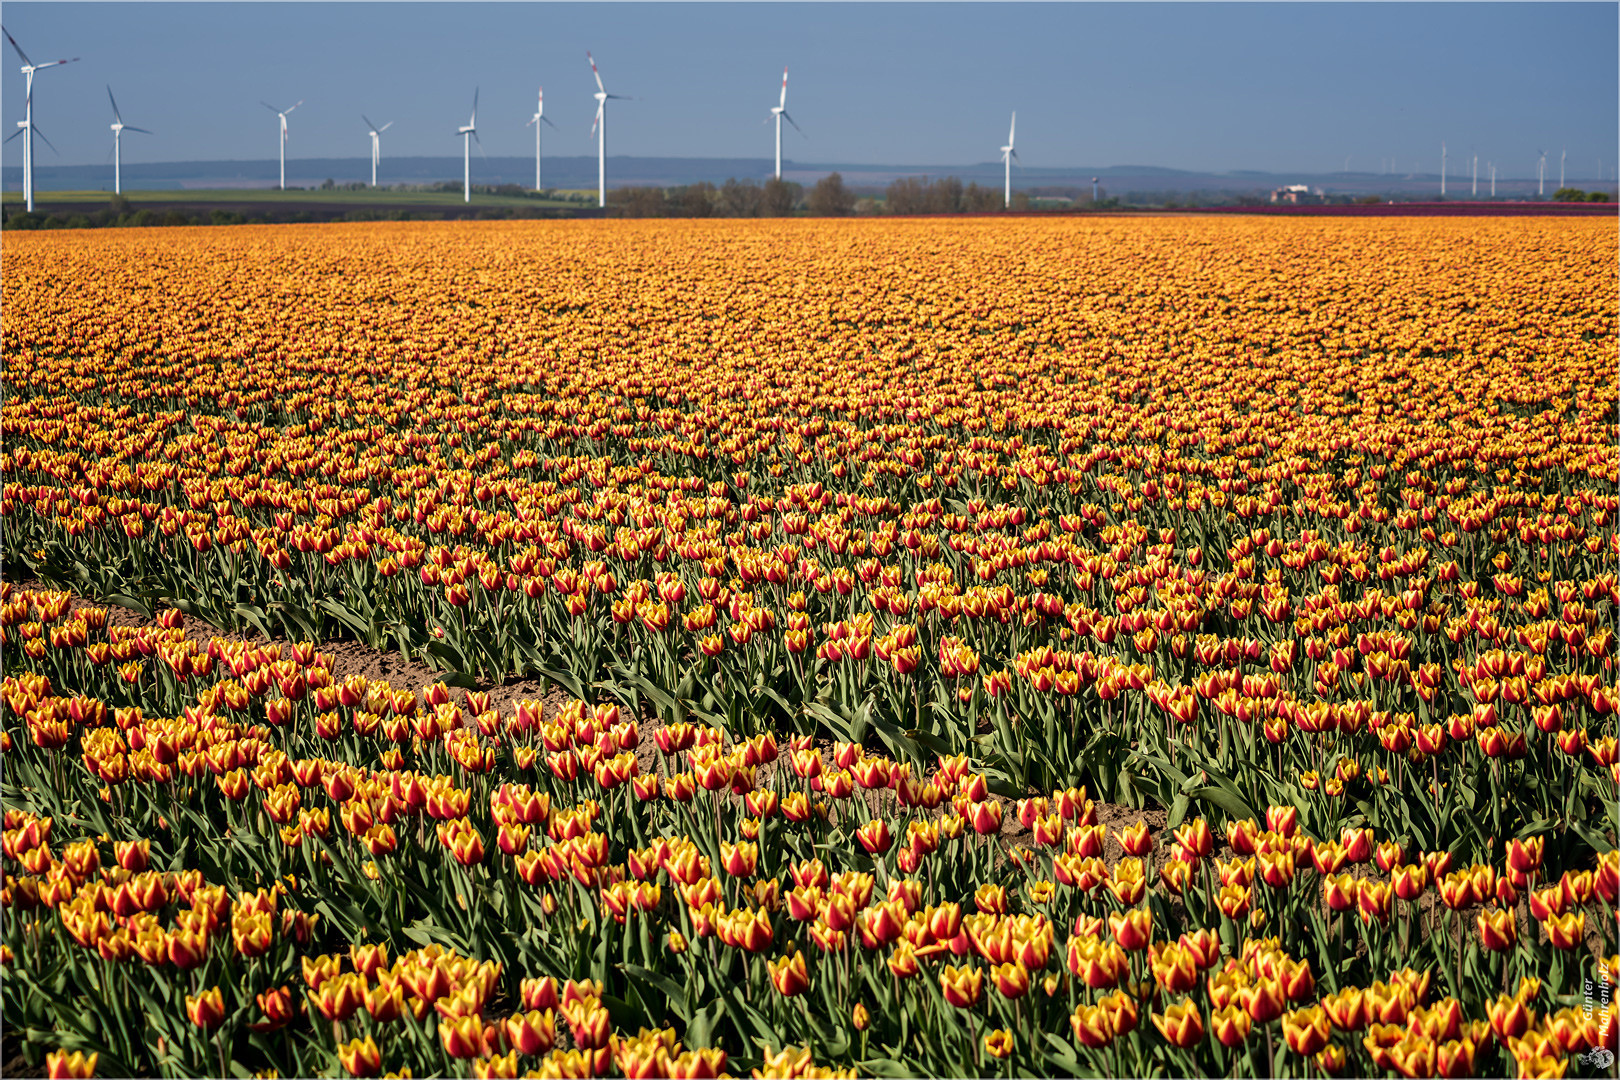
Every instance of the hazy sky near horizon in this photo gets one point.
(1204, 86)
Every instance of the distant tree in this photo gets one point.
(118, 204)
(1569, 194)
(328, 184)
(980, 200)
(906, 195)
(830, 198)
(740, 198)
(867, 205)
(944, 196)
(694, 200)
(1597, 196)
(1020, 201)
(637, 202)
(779, 197)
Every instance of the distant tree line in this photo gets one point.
(120, 214)
(1569, 194)
(831, 197)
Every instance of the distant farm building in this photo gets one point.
(1296, 193)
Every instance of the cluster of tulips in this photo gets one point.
(361, 877)
(1182, 535)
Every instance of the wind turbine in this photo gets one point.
(1442, 169)
(1562, 154)
(1474, 191)
(282, 114)
(118, 129)
(25, 126)
(537, 119)
(1492, 166)
(780, 112)
(599, 129)
(469, 134)
(376, 144)
(1007, 156)
(1541, 173)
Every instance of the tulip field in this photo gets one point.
(994, 647)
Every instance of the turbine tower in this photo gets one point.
(1492, 166)
(1474, 191)
(779, 110)
(376, 144)
(1541, 173)
(599, 129)
(1442, 169)
(537, 119)
(1007, 156)
(25, 126)
(469, 134)
(118, 129)
(1562, 154)
(282, 114)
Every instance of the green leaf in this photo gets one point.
(254, 616)
(1226, 800)
(348, 618)
(671, 989)
(125, 601)
(1178, 810)
(1599, 842)
(932, 742)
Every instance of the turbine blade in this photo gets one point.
(48, 142)
(1012, 128)
(295, 105)
(596, 74)
(369, 124)
(598, 119)
(385, 127)
(143, 131)
(1016, 158)
(548, 121)
(795, 123)
(475, 106)
(271, 107)
(783, 103)
(19, 131)
(20, 53)
(114, 101)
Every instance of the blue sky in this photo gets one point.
(1218, 87)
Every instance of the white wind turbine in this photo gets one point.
(118, 129)
(1008, 154)
(282, 115)
(26, 127)
(1541, 173)
(1442, 169)
(469, 135)
(1562, 154)
(537, 119)
(376, 144)
(599, 129)
(779, 111)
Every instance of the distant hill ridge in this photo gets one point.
(627, 171)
